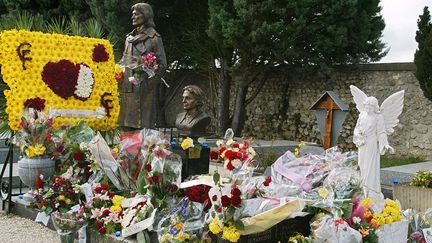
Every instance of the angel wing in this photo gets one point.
(391, 108)
(359, 97)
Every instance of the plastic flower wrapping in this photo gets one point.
(147, 64)
(69, 77)
(419, 225)
(181, 223)
(134, 187)
(236, 157)
(36, 136)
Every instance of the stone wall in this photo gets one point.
(281, 109)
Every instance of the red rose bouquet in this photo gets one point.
(237, 157)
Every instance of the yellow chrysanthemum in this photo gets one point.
(61, 198)
(392, 204)
(214, 226)
(116, 208)
(117, 200)
(183, 236)
(231, 233)
(367, 202)
(26, 83)
(35, 150)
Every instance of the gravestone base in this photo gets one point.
(193, 162)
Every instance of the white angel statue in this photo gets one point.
(370, 135)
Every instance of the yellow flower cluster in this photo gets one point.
(117, 202)
(391, 213)
(367, 202)
(187, 143)
(231, 233)
(214, 226)
(35, 150)
(182, 236)
(23, 55)
(64, 199)
(298, 238)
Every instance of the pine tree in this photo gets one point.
(423, 54)
(263, 34)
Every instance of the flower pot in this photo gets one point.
(414, 197)
(30, 168)
(395, 232)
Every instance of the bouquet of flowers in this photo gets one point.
(61, 196)
(35, 138)
(199, 193)
(422, 179)
(147, 63)
(105, 208)
(69, 222)
(182, 223)
(137, 216)
(237, 157)
(225, 212)
(419, 225)
(369, 217)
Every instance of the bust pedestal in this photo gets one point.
(194, 162)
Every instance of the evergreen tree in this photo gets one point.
(423, 54)
(263, 34)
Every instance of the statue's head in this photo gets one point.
(142, 14)
(192, 97)
(371, 104)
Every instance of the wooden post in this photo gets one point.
(329, 105)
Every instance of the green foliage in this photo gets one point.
(422, 179)
(423, 55)
(58, 25)
(390, 161)
(22, 20)
(298, 32)
(48, 8)
(254, 36)
(94, 28)
(267, 157)
(76, 27)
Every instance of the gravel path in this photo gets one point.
(20, 230)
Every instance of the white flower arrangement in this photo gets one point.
(85, 82)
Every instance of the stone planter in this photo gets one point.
(414, 197)
(395, 232)
(30, 168)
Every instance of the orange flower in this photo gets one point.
(364, 232)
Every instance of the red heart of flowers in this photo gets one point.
(62, 78)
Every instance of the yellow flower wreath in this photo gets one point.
(24, 56)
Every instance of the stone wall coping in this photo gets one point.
(395, 66)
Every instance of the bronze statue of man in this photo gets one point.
(193, 122)
(139, 94)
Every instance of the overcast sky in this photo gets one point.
(401, 17)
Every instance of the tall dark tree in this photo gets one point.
(423, 54)
(259, 35)
(48, 8)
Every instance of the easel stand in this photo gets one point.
(6, 185)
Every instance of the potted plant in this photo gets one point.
(417, 194)
(35, 139)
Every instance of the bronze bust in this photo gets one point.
(138, 101)
(193, 122)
